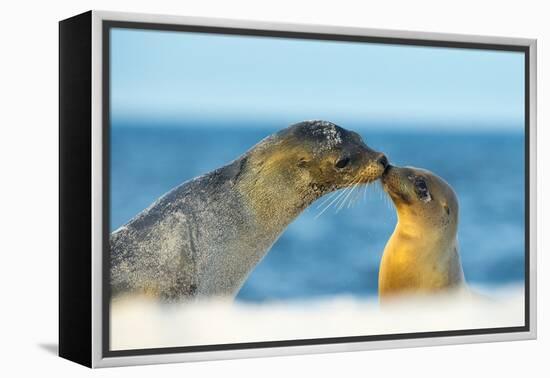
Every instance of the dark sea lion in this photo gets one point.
(421, 257)
(204, 237)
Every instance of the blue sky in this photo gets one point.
(185, 78)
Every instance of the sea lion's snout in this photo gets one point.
(383, 161)
(395, 181)
(391, 181)
(387, 171)
(373, 165)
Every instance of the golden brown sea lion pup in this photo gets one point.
(421, 256)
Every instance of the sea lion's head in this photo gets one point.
(299, 164)
(425, 203)
(331, 156)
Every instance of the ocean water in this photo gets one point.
(338, 253)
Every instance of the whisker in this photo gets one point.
(327, 206)
(334, 200)
(348, 187)
(357, 197)
(347, 196)
(348, 190)
(331, 195)
(386, 198)
(354, 198)
(343, 203)
(363, 196)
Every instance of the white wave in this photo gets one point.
(139, 322)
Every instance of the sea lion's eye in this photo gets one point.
(342, 162)
(421, 189)
(421, 185)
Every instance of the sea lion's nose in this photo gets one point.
(383, 161)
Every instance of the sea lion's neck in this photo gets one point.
(419, 261)
(416, 233)
(276, 194)
(271, 201)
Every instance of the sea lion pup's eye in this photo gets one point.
(421, 189)
(421, 185)
(342, 163)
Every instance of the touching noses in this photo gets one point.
(383, 161)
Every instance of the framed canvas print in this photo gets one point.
(233, 189)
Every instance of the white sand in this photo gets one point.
(143, 323)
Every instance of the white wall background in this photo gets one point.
(28, 186)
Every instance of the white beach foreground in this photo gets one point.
(138, 323)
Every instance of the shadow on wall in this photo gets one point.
(51, 348)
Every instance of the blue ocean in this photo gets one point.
(338, 253)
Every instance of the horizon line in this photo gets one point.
(367, 123)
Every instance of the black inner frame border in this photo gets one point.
(107, 25)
